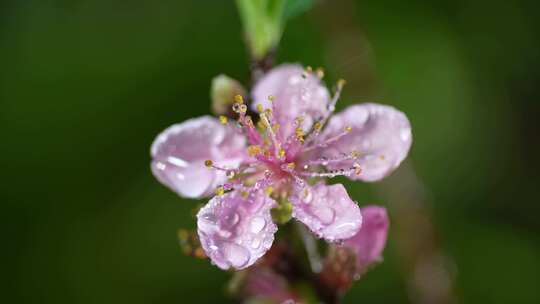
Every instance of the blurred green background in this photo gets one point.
(86, 85)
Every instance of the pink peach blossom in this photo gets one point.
(284, 159)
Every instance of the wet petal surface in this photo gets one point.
(178, 155)
(295, 94)
(234, 230)
(380, 135)
(327, 211)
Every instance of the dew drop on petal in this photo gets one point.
(232, 219)
(236, 255)
(405, 134)
(257, 224)
(256, 243)
(224, 233)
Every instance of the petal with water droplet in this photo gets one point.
(380, 134)
(236, 231)
(330, 213)
(294, 96)
(179, 152)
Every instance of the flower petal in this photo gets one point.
(381, 134)
(369, 242)
(294, 96)
(179, 152)
(327, 211)
(235, 230)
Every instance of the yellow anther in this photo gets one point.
(281, 153)
(269, 190)
(341, 83)
(260, 108)
(382, 157)
(238, 99)
(320, 72)
(357, 169)
(291, 166)
(317, 126)
(271, 97)
(355, 153)
(266, 153)
(243, 108)
(299, 120)
(245, 194)
(299, 134)
(261, 125)
(208, 163)
(309, 69)
(254, 150)
(220, 191)
(268, 111)
(223, 119)
(348, 129)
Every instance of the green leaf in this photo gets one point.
(264, 21)
(294, 8)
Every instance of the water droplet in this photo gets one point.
(308, 196)
(236, 255)
(161, 166)
(224, 233)
(256, 243)
(257, 224)
(405, 134)
(231, 219)
(207, 222)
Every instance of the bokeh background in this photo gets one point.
(85, 85)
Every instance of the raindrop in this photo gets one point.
(405, 134)
(257, 224)
(232, 219)
(236, 255)
(256, 243)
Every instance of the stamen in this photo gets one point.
(220, 191)
(331, 174)
(325, 161)
(317, 127)
(239, 99)
(254, 150)
(269, 190)
(273, 137)
(223, 120)
(329, 140)
(320, 72)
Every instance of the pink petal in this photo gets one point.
(381, 134)
(179, 152)
(236, 231)
(369, 242)
(294, 96)
(327, 211)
